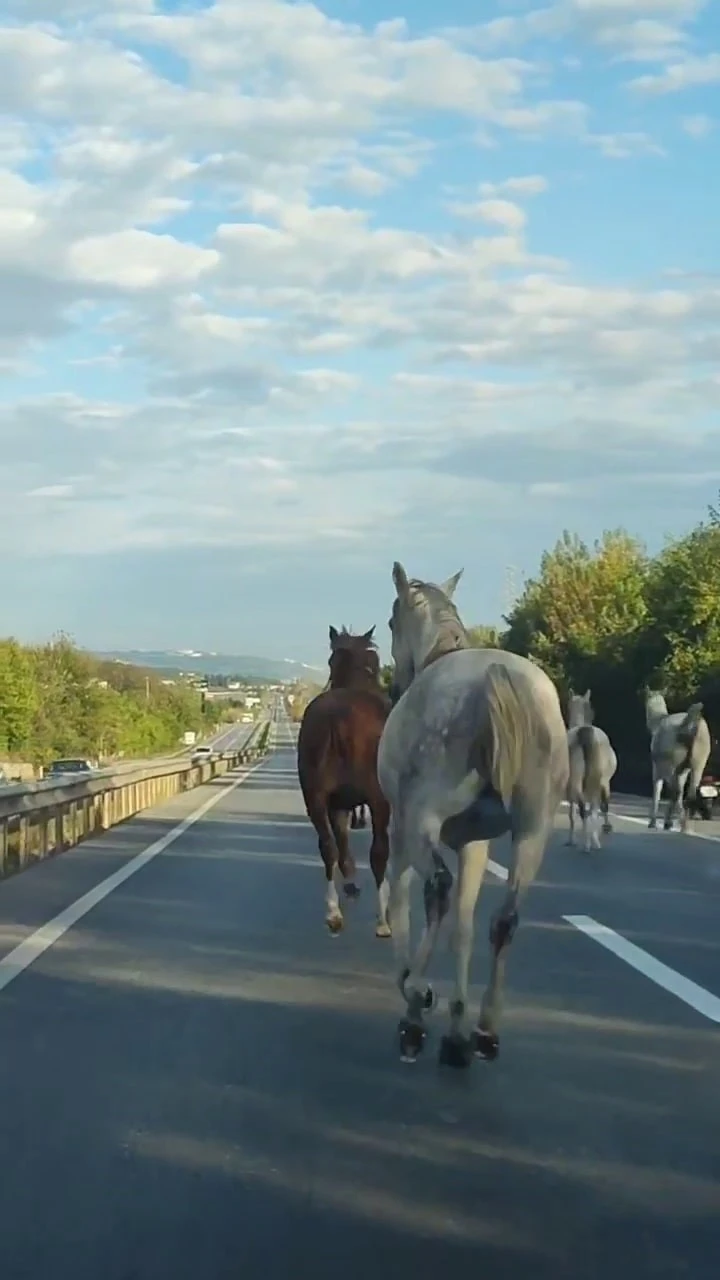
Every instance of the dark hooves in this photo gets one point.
(607, 828)
(485, 1044)
(652, 825)
(351, 890)
(429, 1000)
(412, 1040)
(667, 826)
(455, 1052)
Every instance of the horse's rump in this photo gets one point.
(592, 761)
(337, 746)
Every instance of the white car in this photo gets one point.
(200, 754)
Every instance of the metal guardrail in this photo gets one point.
(131, 766)
(46, 818)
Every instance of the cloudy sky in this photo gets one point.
(291, 290)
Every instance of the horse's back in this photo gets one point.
(340, 732)
(441, 724)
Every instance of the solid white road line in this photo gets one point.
(643, 822)
(498, 869)
(698, 998)
(662, 975)
(31, 948)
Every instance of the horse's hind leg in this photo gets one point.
(456, 1049)
(418, 996)
(339, 821)
(675, 797)
(605, 810)
(359, 817)
(586, 813)
(527, 853)
(571, 815)
(318, 815)
(657, 784)
(689, 798)
(379, 854)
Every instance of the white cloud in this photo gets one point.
(690, 72)
(271, 357)
(532, 184)
(698, 126)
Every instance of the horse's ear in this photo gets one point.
(333, 636)
(369, 634)
(571, 692)
(586, 695)
(448, 588)
(400, 579)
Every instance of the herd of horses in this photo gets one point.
(468, 745)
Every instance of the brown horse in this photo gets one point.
(337, 755)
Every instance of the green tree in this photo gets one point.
(683, 598)
(586, 607)
(484, 637)
(18, 696)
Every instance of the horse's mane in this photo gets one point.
(349, 640)
(444, 612)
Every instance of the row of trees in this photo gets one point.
(56, 700)
(618, 621)
(614, 619)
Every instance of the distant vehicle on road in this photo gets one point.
(707, 796)
(76, 768)
(202, 753)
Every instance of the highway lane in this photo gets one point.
(197, 1080)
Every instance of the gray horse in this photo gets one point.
(593, 765)
(474, 747)
(680, 745)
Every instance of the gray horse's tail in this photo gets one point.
(592, 757)
(690, 725)
(516, 722)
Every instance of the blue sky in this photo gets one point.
(293, 290)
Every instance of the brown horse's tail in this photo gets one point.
(322, 742)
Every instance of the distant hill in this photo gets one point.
(190, 661)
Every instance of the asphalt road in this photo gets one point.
(196, 1081)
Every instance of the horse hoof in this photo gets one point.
(351, 890)
(383, 930)
(335, 924)
(652, 825)
(485, 1044)
(455, 1051)
(412, 1040)
(607, 828)
(429, 1000)
(667, 826)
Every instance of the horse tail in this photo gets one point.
(516, 722)
(690, 725)
(592, 757)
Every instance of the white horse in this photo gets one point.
(474, 747)
(680, 745)
(593, 764)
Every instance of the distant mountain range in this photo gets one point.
(222, 664)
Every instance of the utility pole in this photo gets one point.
(510, 593)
